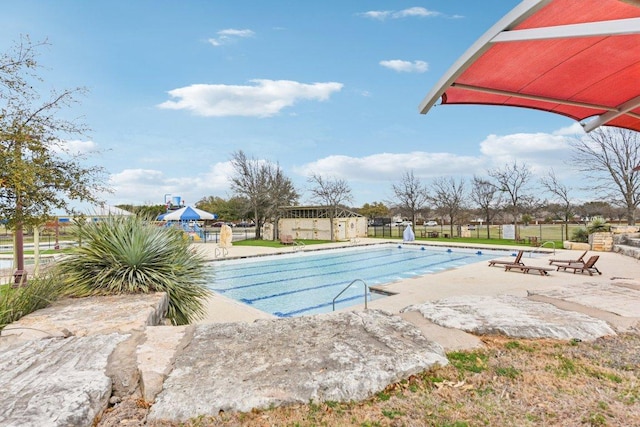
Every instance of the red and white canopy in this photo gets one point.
(578, 58)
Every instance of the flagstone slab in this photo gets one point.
(619, 298)
(337, 357)
(511, 316)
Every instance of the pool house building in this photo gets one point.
(314, 223)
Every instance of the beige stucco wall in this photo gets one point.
(320, 228)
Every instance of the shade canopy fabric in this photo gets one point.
(577, 58)
(187, 213)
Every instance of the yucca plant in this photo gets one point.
(126, 255)
(17, 302)
(597, 225)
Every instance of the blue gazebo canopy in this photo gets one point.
(187, 213)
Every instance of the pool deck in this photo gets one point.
(474, 279)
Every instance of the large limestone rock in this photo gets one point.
(619, 297)
(56, 382)
(343, 356)
(511, 316)
(90, 316)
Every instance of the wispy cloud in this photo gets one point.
(265, 98)
(381, 15)
(415, 11)
(406, 66)
(229, 35)
(75, 147)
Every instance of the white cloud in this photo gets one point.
(150, 186)
(539, 151)
(381, 15)
(573, 130)
(264, 99)
(370, 176)
(76, 147)
(406, 66)
(415, 11)
(377, 14)
(229, 35)
(390, 166)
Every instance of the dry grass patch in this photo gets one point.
(507, 383)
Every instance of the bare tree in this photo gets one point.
(561, 192)
(263, 184)
(513, 181)
(330, 192)
(487, 197)
(411, 194)
(448, 197)
(608, 156)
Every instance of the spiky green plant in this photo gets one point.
(597, 224)
(122, 255)
(17, 302)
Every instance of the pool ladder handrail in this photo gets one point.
(347, 287)
(221, 252)
(553, 245)
(297, 246)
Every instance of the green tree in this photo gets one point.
(38, 173)
(216, 205)
(374, 210)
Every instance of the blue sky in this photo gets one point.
(330, 87)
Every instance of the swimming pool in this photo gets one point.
(306, 283)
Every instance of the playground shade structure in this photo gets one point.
(188, 213)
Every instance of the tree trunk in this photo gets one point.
(258, 225)
(631, 215)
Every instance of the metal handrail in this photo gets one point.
(347, 287)
(221, 252)
(553, 244)
(297, 246)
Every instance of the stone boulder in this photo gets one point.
(338, 357)
(56, 381)
(511, 316)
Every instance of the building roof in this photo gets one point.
(316, 212)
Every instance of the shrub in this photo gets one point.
(580, 235)
(597, 224)
(18, 302)
(126, 255)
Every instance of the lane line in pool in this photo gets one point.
(324, 263)
(265, 297)
(315, 307)
(268, 282)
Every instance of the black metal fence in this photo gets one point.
(527, 233)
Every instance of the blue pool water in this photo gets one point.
(306, 283)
